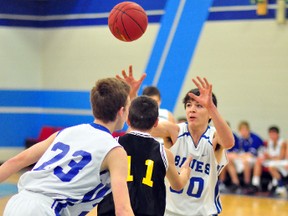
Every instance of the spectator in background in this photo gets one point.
(279, 170)
(181, 119)
(243, 155)
(223, 175)
(154, 93)
(273, 151)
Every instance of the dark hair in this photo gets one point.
(143, 113)
(107, 97)
(151, 91)
(274, 129)
(196, 91)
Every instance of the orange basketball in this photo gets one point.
(127, 21)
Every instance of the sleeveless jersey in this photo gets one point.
(201, 195)
(69, 171)
(163, 113)
(275, 151)
(148, 165)
(272, 150)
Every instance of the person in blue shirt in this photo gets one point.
(243, 155)
(223, 176)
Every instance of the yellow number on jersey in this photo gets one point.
(147, 179)
(129, 177)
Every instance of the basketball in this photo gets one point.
(127, 21)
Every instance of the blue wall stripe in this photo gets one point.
(7, 189)
(56, 7)
(47, 9)
(160, 43)
(45, 99)
(62, 7)
(64, 23)
(235, 2)
(18, 127)
(181, 50)
(240, 15)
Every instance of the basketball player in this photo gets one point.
(149, 163)
(33, 154)
(154, 93)
(206, 144)
(73, 175)
(164, 114)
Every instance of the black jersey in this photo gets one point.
(147, 164)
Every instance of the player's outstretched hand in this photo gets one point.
(130, 79)
(205, 89)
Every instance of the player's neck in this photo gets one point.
(140, 130)
(197, 132)
(110, 125)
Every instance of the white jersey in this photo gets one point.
(163, 113)
(69, 171)
(201, 195)
(275, 151)
(272, 150)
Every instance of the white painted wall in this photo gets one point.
(247, 61)
(74, 58)
(21, 58)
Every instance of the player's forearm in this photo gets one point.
(121, 199)
(224, 132)
(9, 168)
(166, 129)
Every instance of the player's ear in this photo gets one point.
(156, 123)
(121, 111)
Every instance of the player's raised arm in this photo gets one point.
(25, 158)
(224, 135)
(166, 130)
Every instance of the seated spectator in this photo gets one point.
(273, 151)
(181, 119)
(279, 170)
(242, 156)
(223, 175)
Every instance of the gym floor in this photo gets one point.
(236, 205)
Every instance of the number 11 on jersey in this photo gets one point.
(147, 180)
